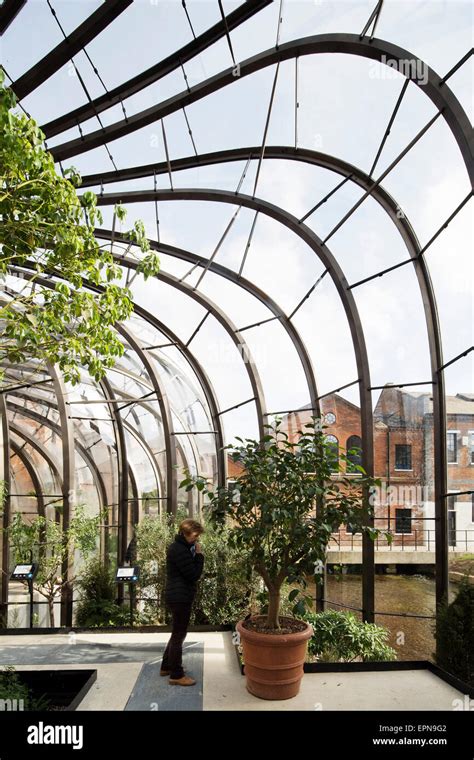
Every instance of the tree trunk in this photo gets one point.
(273, 609)
(51, 611)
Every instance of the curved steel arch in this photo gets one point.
(350, 44)
(172, 62)
(270, 210)
(247, 285)
(410, 239)
(5, 517)
(216, 312)
(100, 485)
(39, 447)
(34, 477)
(322, 251)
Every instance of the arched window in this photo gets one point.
(334, 445)
(354, 452)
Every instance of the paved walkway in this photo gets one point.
(128, 676)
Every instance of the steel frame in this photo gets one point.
(448, 107)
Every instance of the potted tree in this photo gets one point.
(289, 499)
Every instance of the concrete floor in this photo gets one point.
(224, 687)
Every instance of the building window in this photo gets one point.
(451, 502)
(333, 451)
(402, 456)
(403, 521)
(354, 452)
(452, 448)
(471, 446)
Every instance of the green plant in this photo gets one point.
(47, 228)
(153, 536)
(226, 589)
(14, 691)
(44, 541)
(455, 634)
(341, 637)
(97, 592)
(284, 507)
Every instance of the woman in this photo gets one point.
(184, 564)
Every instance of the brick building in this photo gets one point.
(403, 461)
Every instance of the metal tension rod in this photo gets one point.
(457, 66)
(326, 198)
(421, 252)
(257, 324)
(183, 3)
(214, 253)
(398, 385)
(86, 91)
(236, 406)
(455, 493)
(25, 385)
(194, 432)
(72, 44)
(456, 358)
(227, 34)
(206, 315)
(336, 390)
(294, 411)
(265, 131)
(135, 400)
(125, 90)
(307, 295)
(383, 175)
(374, 16)
(390, 123)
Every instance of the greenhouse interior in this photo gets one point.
(237, 302)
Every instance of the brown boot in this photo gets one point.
(183, 681)
(164, 672)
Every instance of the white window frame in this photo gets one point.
(457, 433)
(470, 445)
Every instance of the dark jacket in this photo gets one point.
(182, 572)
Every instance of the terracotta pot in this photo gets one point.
(274, 662)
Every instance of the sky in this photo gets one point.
(345, 103)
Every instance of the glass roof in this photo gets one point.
(309, 256)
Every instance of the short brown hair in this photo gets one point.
(190, 526)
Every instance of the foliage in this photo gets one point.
(97, 606)
(225, 591)
(48, 228)
(341, 637)
(12, 688)
(271, 510)
(228, 588)
(455, 634)
(44, 541)
(153, 536)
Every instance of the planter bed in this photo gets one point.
(61, 689)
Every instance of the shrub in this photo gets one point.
(341, 637)
(13, 689)
(455, 634)
(96, 606)
(225, 592)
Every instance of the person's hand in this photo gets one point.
(198, 548)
